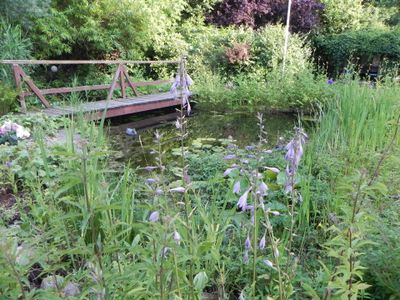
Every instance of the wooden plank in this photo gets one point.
(131, 84)
(64, 90)
(118, 107)
(123, 84)
(18, 83)
(114, 83)
(143, 83)
(130, 109)
(85, 88)
(85, 62)
(33, 87)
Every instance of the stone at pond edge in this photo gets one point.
(71, 289)
(50, 283)
(131, 132)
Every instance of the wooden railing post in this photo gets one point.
(122, 81)
(20, 77)
(114, 83)
(18, 84)
(131, 84)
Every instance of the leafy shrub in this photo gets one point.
(337, 49)
(258, 79)
(7, 98)
(342, 15)
(13, 45)
(23, 11)
(125, 29)
(383, 258)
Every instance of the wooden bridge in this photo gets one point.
(108, 107)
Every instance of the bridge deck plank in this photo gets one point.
(119, 106)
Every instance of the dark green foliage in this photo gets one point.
(83, 29)
(13, 45)
(362, 45)
(24, 11)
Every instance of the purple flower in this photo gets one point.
(293, 155)
(246, 257)
(249, 207)
(151, 180)
(236, 187)
(262, 189)
(268, 151)
(241, 297)
(250, 147)
(154, 216)
(247, 243)
(229, 157)
(228, 171)
(242, 203)
(177, 237)
(150, 168)
(262, 243)
(330, 81)
(178, 189)
(8, 164)
(159, 191)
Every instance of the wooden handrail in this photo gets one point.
(83, 88)
(86, 62)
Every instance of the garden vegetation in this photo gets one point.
(314, 217)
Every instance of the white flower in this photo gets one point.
(269, 263)
(178, 189)
(177, 237)
(273, 169)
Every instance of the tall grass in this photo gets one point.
(353, 128)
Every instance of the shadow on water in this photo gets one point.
(241, 126)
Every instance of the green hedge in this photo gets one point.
(335, 50)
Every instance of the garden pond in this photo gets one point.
(205, 129)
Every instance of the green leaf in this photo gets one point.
(200, 280)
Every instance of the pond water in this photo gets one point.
(241, 126)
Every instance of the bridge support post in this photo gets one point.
(18, 83)
(21, 77)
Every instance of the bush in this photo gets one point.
(341, 15)
(258, 79)
(7, 98)
(12, 46)
(95, 30)
(336, 49)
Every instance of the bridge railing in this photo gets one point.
(121, 79)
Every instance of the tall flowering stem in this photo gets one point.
(181, 125)
(181, 84)
(294, 152)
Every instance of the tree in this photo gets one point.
(258, 13)
(23, 11)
